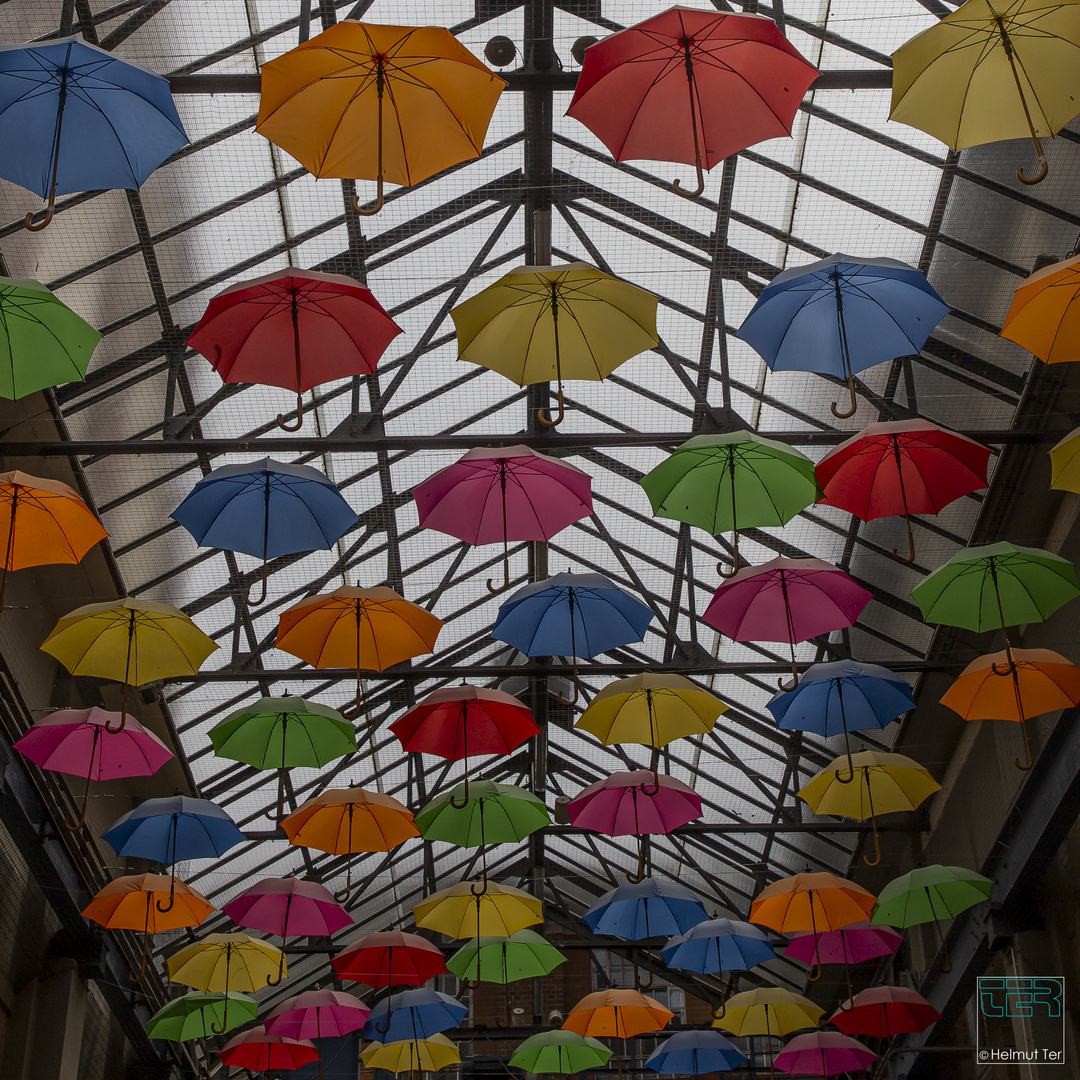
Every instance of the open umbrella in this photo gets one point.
(363, 100)
(823, 1053)
(257, 1051)
(617, 1014)
(885, 1011)
(786, 600)
(74, 117)
(412, 1055)
(1042, 319)
(72, 741)
(462, 912)
(849, 945)
(691, 86)
(317, 1014)
(389, 958)
(524, 955)
(841, 315)
(571, 615)
(694, 1053)
(735, 481)
(717, 946)
(413, 1014)
(295, 329)
(265, 509)
(128, 640)
(902, 467)
(504, 493)
(347, 821)
(1065, 463)
(768, 1011)
(191, 1016)
(543, 323)
(559, 1051)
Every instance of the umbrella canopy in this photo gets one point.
(885, 1011)
(902, 467)
(727, 482)
(224, 962)
(618, 805)
(495, 494)
(929, 894)
(390, 958)
(399, 103)
(562, 1052)
(74, 117)
(695, 1052)
(413, 1014)
(854, 944)
(317, 1014)
(812, 902)
(459, 912)
(524, 955)
(256, 1050)
(485, 813)
(1042, 317)
(173, 830)
(620, 1014)
(718, 945)
(130, 641)
(1065, 463)
(645, 909)
(770, 1011)
(191, 1016)
(548, 323)
(823, 1053)
(841, 315)
(691, 86)
(412, 1055)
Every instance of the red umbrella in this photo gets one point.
(256, 1051)
(884, 1011)
(389, 959)
(691, 86)
(903, 467)
(294, 329)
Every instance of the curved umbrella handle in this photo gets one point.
(274, 980)
(577, 688)
(652, 793)
(544, 415)
(788, 687)
(343, 896)
(506, 576)
(910, 557)
(1038, 178)
(1004, 672)
(1027, 747)
(464, 802)
(380, 87)
(172, 894)
(379, 201)
(719, 1014)
(483, 887)
(28, 221)
(254, 601)
(734, 559)
(676, 185)
(854, 402)
(299, 416)
(876, 860)
(123, 709)
(351, 712)
(640, 866)
(224, 1017)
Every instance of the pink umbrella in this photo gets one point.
(786, 600)
(508, 493)
(823, 1053)
(624, 805)
(318, 1014)
(853, 944)
(287, 907)
(73, 741)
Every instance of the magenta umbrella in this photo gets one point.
(287, 907)
(786, 600)
(318, 1014)
(502, 494)
(624, 804)
(823, 1053)
(73, 741)
(852, 944)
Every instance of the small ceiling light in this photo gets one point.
(579, 47)
(500, 51)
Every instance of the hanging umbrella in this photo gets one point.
(353, 627)
(543, 323)
(650, 710)
(524, 955)
(786, 600)
(266, 509)
(390, 958)
(768, 1011)
(849, 945)
(1065, 463)
(571, 615)
(191, 1016)
(694, 1053)
(504, 493)
(128, 903)
(128, 640)
(362, 100)
(717, 946)
(730, 482)
(317, 1014)
(989, 71)
(462, 912)
(412, 1055)
(996, 586)
(72, 741)
(618, 1014)
(691, 86)
(283, 733)
(902, 467)
(883, 784)
(173, 830)
(413, 1014)
(42, 522)
(295, 329)
(823, 1053)
(347, 821)
(287, 907)
(258, 1051)
(841, 315)
(885, 1011)
(1041, 681)
(562, 1052)
(74, 117)
(1042, 319)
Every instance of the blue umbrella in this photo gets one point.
(571, 615)
(413, 1014)
(693, 1053)
(841, 315)
(833, 699)
(76, 118)
(265, 509)
(719, 945)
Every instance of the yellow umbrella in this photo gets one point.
(771, 1011)
(1044, 316)
(399, 103)
(413, 1055)
(992, 70)
(1065, 463)
(463, 912)
(885, 784)
(131, 641)
(544, 323)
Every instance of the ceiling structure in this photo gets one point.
(152, 418)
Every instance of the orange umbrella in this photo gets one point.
(345, 821)
(128, 903)
(619, 1014)
(1044, 316)
(369, 629)
(45, 522)
(1041, 681)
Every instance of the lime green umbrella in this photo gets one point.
(524, 955)
(190, 1016)
(733, 481)
(560, 1052)
(283, 733)
(483, 813)
(42, 341)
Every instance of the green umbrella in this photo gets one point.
(484, 813)
(731, 482)
(524, 955)
(282, 733)
(560, 1052)
(42, 341)
(190, 1016)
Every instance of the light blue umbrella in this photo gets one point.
(841, 315)
(719, 945)
(692, 1053)
(413, 1014)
